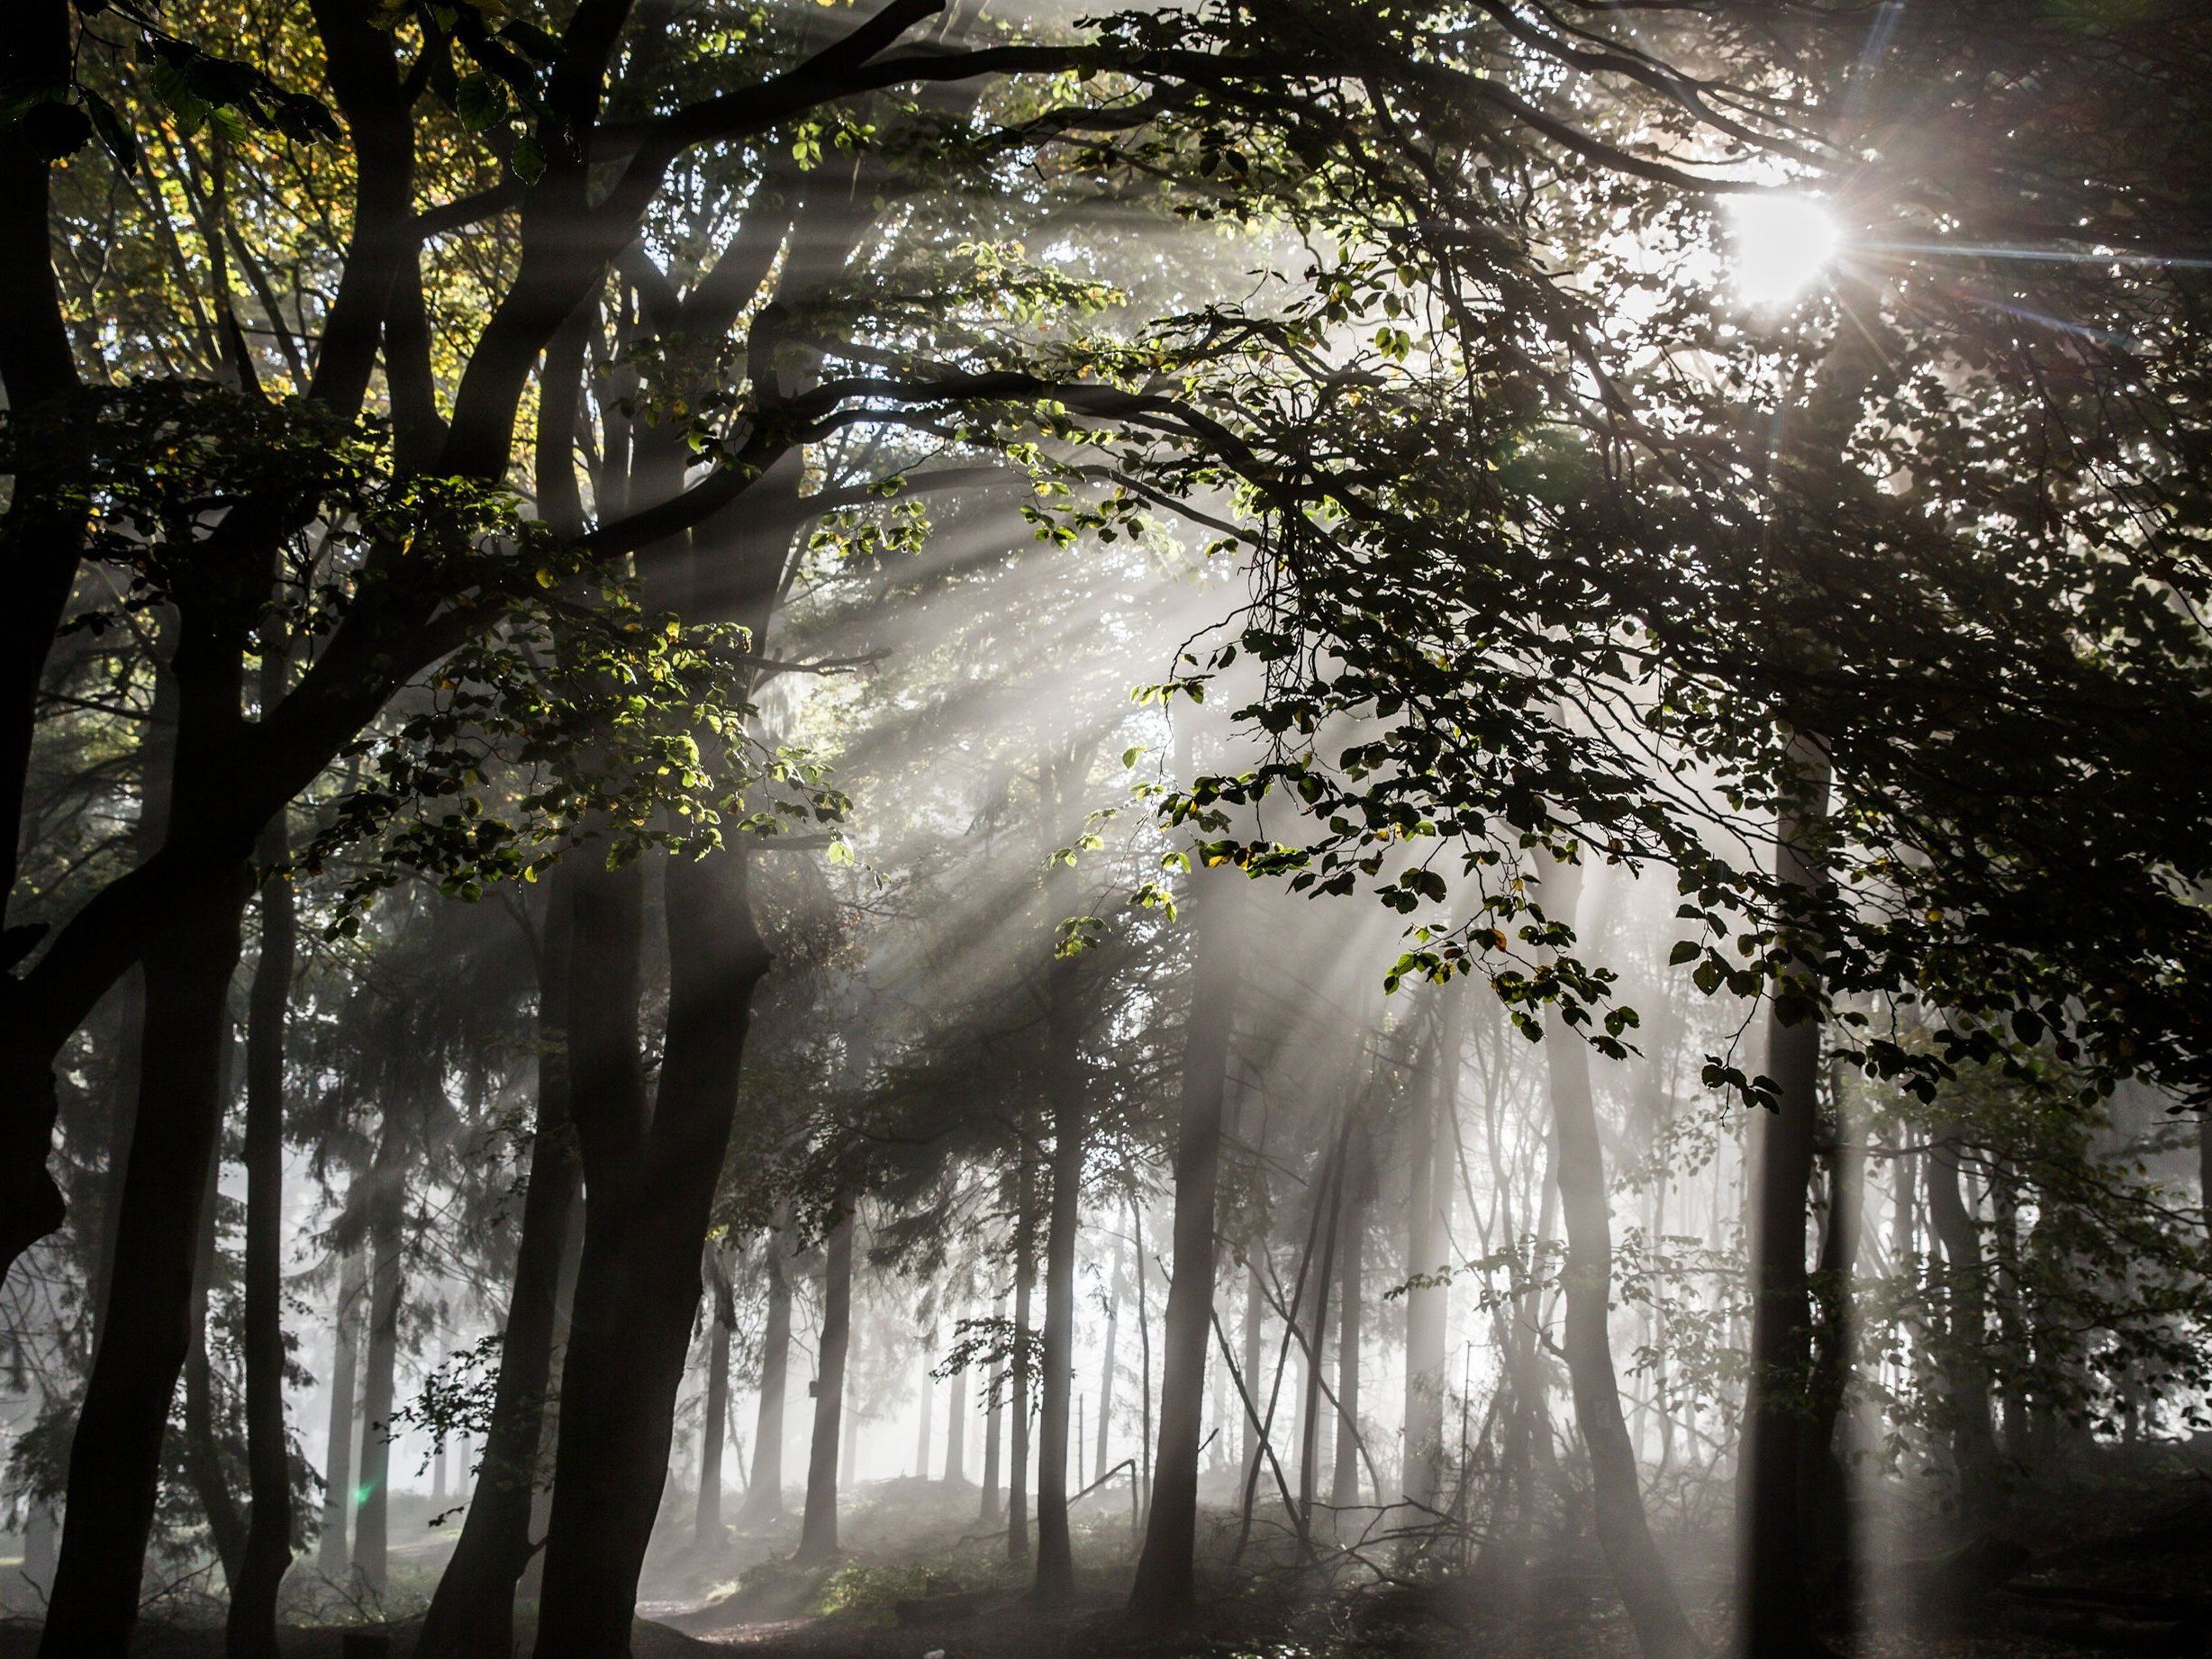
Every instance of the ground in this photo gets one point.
(2115, 1565)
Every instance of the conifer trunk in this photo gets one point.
(333, 1551)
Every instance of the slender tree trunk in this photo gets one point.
(1344, 1488)
(922, 1418)
(203, 1454)
(380, 1378)
(1825, 1475)
(251, 1629)
(471, 1615)
(818, 1533)
(764, 1492)
(333, 1552)
(1774, 1611)
(1317, 1287)
(115, 1457)
(1018, 1458)
(1254, 1331)
(1055, 1563)
(1106, 1382)
(1966, 1379)
(1640, 1577)
(721, 1326)
(1427, 1249)
(955, 1432)
(994, 1422)
(1165, 1590)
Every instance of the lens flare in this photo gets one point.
(1781, 242)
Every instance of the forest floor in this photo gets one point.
(2118, 1564)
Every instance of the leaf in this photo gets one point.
(115, 138)
(1685, 950)
(527, 161)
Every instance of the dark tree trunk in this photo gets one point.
(652, 1196)
(1639, 1576)
(1164, 1589)
(1966, 1380)
(115, 1457)
(955, 1432)
(1055, 1563)
(1344, 1487)
(251, 1627)
(1427, 1247)
(471, 1615)
(1017, 1450)
(1106, 1382)
(202, 1448)
(818, 1531)
(1827, 1492)
(763, 1493)
(994, 1423)
(922, 1418)
(387, 1215)
(721, 1326)
(1774, 1610)
(333, 1555)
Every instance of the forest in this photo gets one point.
(949, 830)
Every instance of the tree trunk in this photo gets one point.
(1254, 1331)
(115, 1457)
(955, 1432)
(921, 1422)
(1344, 1487)
(251, 1628)
(1055, 1563)
(333, 1552)
(764, 1492)
(1825, 1473)
(994, 1422)
(1774, 1611)
(1164, 1589)
(817, 1532)
(1640, 1577)
(1427, 1249)
(1018, 1458)
(652, 1196)
(721, 1326)
(1966, 1380)
(388, 1216)
(471, 1615)
(202, 1452)
(1106, 1382)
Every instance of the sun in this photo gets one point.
(1782, 241)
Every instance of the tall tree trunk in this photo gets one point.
(1018, 1457)
(1825, 1473)
(1254, 1331)
(922, 1418)
(333, 1552)
(721, 1326)
(1316, 1321)
(993, 1506)
(251, 1627)
(652, 1196)
(764, 1492)
(1164, 1589)
(201, 1449)
(1344, 1488)
(1427, 1248)
(1775, 1612)
(387, 1215)
(955, 1432)
(1055, 1563)
(817, 1532)
(115, 1457)
(471, 1614)
(1966, 1379)
(1662, 1630)
(1106, 1384)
